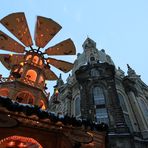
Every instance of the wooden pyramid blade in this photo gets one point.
(9, 60)
(7, 43)
(16, 23)
(45, 30)
(63, 48)
(49, 74)
(61, 65)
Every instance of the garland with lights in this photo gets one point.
(29, 110)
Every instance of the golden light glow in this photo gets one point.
(19, 141)
(35, 59)
(56, 91)
(11, 143)
(41, 79)
(16, 70)
(31, 75)
(28, 57)
(21, 70)
(21, 145)
(41, 62)
(42, 105)
(22, 64)
(91, 134)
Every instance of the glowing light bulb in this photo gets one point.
(56, 91)
(11, 143)
(22, 145)
(43, 107)
(21, 63)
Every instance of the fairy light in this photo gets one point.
(22, 145)
(21, 63)
(22, 139)
(11, 143)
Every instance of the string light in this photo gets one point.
(22, 139)
(11, 143)
(21, 63)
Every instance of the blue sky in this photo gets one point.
(118, 26)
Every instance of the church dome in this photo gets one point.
(91, 55)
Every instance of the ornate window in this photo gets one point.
(122, 103)
(77, 106)
(94, 72)
(99, 102)
(101, 115)
(25, 97)
(125, 111)
(98, 96)
(144, 107)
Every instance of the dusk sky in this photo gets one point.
(118, 26)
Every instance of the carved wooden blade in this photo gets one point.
(16, 23)
(62, 65)
(9, 60)
(63, 48)
(45, 30)
(7, 43)
(49, 74)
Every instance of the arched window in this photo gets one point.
(122, 103)
(144, 107)
(98, 96)
(125, 111)
(99, 102)
(4, 92)
(77, 106)
(101, 115)
(25, 97)
(35, 59)
(31, 75)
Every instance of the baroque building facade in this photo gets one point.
(99, 92)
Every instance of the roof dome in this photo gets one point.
(91, 55)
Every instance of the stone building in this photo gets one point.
(98, 91)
